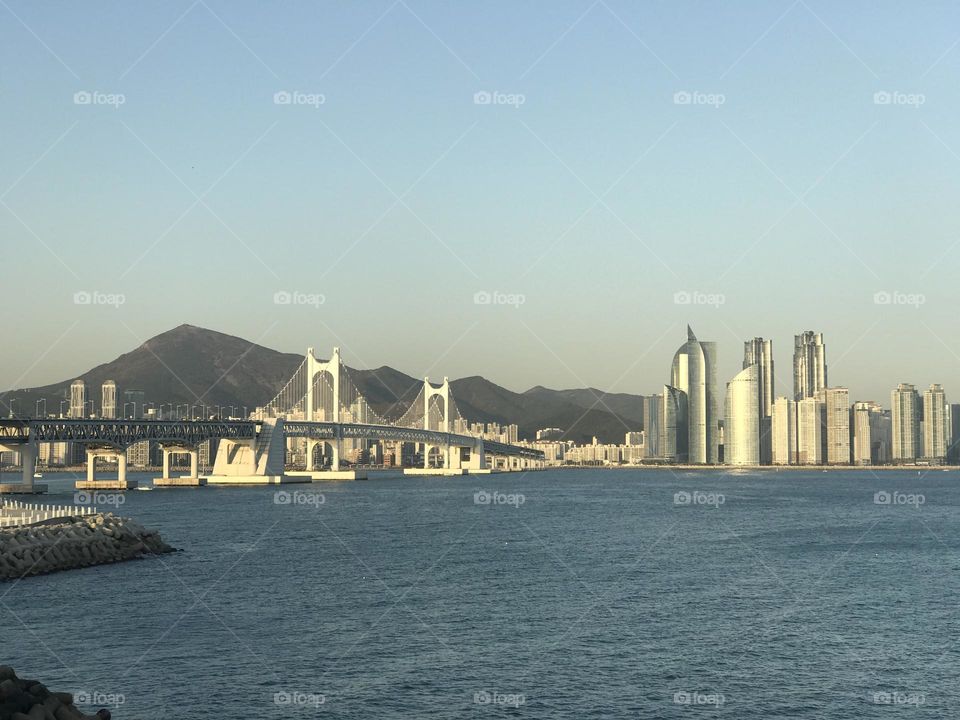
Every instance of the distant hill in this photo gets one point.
(192, 365)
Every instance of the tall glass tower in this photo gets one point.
(694, 372)
(809, 365)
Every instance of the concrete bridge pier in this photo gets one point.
(120, 483)
(28, 466)
(191, 480)
(335, 472)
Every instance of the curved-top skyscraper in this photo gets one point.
(694, 372)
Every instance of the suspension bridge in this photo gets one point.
(319, 411)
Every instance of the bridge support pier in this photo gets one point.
(254, 461)
(191, 480)
(28, 466)
(120, 483)
(334, 473)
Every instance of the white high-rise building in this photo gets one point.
(694, 373)
(936, 424)
(837, 418)
(78, 398)
(108, 402)
(809, 364)
(905, 413)
(784, 432)
(741, 428)
(810, 423)
(870, 429)
(760, 352)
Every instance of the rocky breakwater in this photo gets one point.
(29, 700)
(74, 542)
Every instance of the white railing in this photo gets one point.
(14, 513)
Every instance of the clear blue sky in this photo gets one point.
(597, 199)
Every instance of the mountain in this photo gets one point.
(197, 366)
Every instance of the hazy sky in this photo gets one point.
(629, 151)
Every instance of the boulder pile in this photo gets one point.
(29, 700)
(74, 542)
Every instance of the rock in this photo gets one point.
(71, 543)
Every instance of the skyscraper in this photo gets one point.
(837, 412)
(809, 364)
(870, 427)
(905, 412)
(741, 427)
(108, 403)
(78, 398)
(953, 452)
(652, 411)
(694, 373)
(784, 432)
(936, 422)
(759, 352)
(810, 424)
(673, 424)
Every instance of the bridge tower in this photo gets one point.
(315, 367)
(442, 392)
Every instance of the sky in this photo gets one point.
(537, 192)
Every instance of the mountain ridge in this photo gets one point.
(191, 364)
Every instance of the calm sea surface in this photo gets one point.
(572, 594)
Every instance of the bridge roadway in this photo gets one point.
(121, 434)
